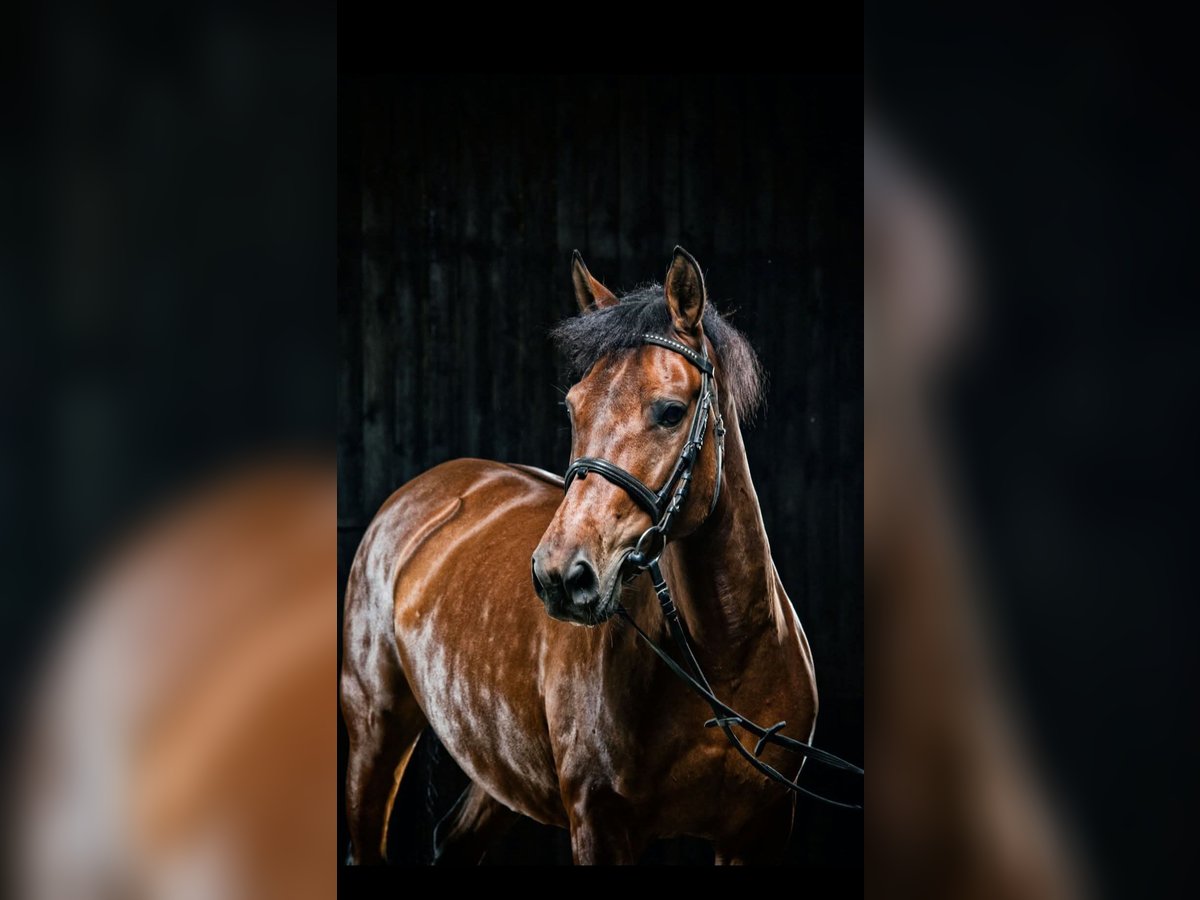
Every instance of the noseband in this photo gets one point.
(663, 505)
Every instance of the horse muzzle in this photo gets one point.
(573, 591)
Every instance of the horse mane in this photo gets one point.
(585, 338)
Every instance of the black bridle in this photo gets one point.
(663, 505)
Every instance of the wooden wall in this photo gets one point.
(460, 200)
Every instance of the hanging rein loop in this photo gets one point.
(726, 717)
(663, 506)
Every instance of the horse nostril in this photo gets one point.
(541, 582)
(582, 584)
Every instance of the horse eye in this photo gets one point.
(671, 415)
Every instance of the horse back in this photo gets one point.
(496, 505)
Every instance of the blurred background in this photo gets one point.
(460, 201)
(166, 319)
(167, 388)
(1031, 193)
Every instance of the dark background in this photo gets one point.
(460, 201)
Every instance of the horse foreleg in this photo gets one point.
(764, 841)
(464, 834)
(602, 830)
(381, 744)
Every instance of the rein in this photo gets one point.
(724, 716)
(662, 512)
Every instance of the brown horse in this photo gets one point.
(565, 717)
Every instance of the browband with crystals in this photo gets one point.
(700, 362)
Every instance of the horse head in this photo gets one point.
(630, 415)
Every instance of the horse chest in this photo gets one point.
(673, 774)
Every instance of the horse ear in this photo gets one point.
(685, 293)
(589, 293)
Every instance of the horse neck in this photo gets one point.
(721, 575)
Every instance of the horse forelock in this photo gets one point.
(586, 338)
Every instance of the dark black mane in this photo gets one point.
(587, 337)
